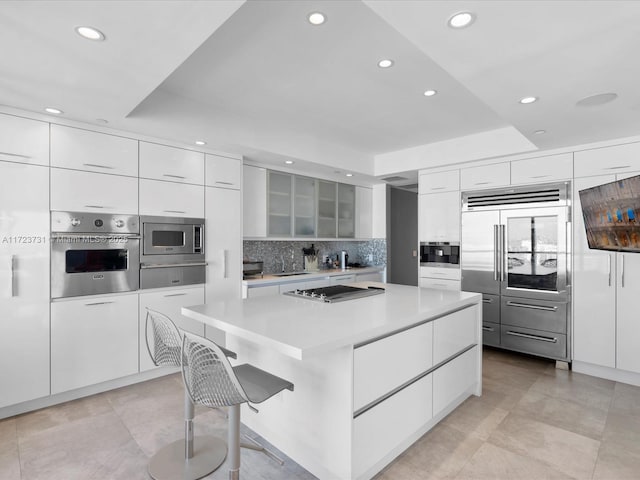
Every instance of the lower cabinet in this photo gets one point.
(93, 340)
(439, 283)
(169, 302)
(263, 291)
(454, 379)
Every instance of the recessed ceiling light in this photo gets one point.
(200, 142)
(386, 63)
(540, 132)
(430, 93)
(598, 99)
(527, 100)
(90, 33)
(349, 174)
(289, 162)
(316, 18)
(56, 111)
(461, 19)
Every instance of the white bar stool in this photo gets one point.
(187, 459)
(210, 380)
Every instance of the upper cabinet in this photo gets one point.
(327, 208)
(364, 212)
(223, 172)
(279, 203)
(161, 162)
(23, 140)
(607, 160)
(485, 176)
(439, 182)
(254, 193)
(543, 169)
(304, 207)
(169, 199)
(346, 211)
(95, 152)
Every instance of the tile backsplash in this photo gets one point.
(274, 252)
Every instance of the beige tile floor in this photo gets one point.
(532, 422)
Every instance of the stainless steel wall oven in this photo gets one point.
(93, 253)
(516, 252)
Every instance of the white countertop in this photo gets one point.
(299, 328)
(271, 279)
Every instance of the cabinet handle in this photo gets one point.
(532, 307)
(96, 206)
(540, 176)
(609, 267)
(224, 183)
(97, 303)
(14, 155)
(96, 165)
(175, 295)
(487, 300)
(482, 183)
(175, 211)
(438, 188)
(487, 329)
(224, 264)
(144, 266)
(622, 273)
(618, 167)
(173, 176)
(532, 337)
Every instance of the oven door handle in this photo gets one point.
(145, 266)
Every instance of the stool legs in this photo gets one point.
(234, 442)
(189, 413)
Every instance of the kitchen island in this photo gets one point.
(371, 375)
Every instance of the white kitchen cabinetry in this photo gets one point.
(169, 302)
(364, 212)
(439, 283)
(93, 340)
(73, 190)
(92, 151)
(24, 283)
(161, 162)
(254, 202)
(607, 160)
(342, 279)
(280, 203)
(369, 277)
(543, 169)
(327, 209)
(453, 379)
(304, 206)
(346, 210)
(439, 182)
(485, 176)
(439, 217)
(627, 326)
(24, 140)
(171, 199)
(223, 172)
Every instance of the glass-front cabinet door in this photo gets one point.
(279, 207)
(304, 207)
(346, 211)
(327, 195)
(534, 252)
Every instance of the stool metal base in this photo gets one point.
(169, 463)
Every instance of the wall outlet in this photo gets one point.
(370, 258)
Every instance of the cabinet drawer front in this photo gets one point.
(439, 182)
(223, 172)
(384, 365)
(93, 192)
(93, 340)
(490, 308)
(23, 140)
(544, 169)
(453, 379)
(161, 162)
(537, 342)
(436, 272)
(439, 284)
(490, 334)
(93, 151)
(170, 199)
(607, 160)
(535, 314)
(454, 333)
(378, 431)
(486, 176)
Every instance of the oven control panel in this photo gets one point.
(89, 222)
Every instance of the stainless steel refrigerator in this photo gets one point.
(515, 250)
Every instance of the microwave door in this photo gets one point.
(167, 239)
(479, 256)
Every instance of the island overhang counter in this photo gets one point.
(371, 375)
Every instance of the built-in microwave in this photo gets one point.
(440, 254)
(171, 251)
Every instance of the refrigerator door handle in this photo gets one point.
(496, 252)
(503, 253)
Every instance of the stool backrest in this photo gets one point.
(167, 341)
(208, 375)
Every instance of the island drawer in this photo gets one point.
(378, 431)
(455, 332)
(383, 365)
(454, 379)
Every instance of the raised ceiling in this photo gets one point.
(256, 78)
